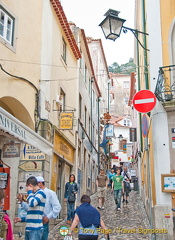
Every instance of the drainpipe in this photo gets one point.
(92, 80)
(146, 150)
(139, 88)
(145, 46)
(98, 134)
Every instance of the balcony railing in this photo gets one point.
(165, 87)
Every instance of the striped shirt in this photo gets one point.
(35, 210)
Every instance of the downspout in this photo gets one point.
(98, 135)
(145, 46)
(139, 88)
(146, 150)
(92, 80)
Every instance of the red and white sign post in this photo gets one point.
(144, 101)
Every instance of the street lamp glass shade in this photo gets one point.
(111, 27)
(120, 137)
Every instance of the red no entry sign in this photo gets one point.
(144, 101)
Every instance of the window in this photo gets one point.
(64, 49)
(62, 100)
(85, 73)
(85, 116)
(89, 126)
(126, 100)
(126, 84)
(80, 106)
(6, 26)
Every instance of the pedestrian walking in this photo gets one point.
(71, 189)
(117, 188)
(126, 180)
(111, 175)
(36, 199)
(87, 218)
(102, 184)
(52, 206)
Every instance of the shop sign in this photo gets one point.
(63, 148)
(109, 130)
(31, 166)
(173, 142)
(66, 120)
(129, 149)
(11, 150)
(12, 127)
(32, 153)
(133, 134)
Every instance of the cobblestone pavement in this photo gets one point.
(131, 217)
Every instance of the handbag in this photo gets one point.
(71, 198)
(128, 186)
(68, 238)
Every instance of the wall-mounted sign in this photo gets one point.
(145, 125)
(32, 166)
(173, 130)
(32, 153)
(11, 150)
(35, 174)
(173, 142)
(168, 182)
(63, 148)
(133, 134)
(66, 120)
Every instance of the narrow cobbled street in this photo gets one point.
(131, 217)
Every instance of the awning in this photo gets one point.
(16, 128)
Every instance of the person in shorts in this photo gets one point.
(102, 183)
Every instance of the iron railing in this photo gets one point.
(165, 87)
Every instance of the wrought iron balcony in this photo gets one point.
(165, 87)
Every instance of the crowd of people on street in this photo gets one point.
(42, 204)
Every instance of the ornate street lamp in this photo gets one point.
(112, 26)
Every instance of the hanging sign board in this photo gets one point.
(109, 130)
(133, 134)
(66, 120)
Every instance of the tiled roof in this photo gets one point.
(66, 28)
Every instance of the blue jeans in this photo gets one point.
(117, 197)
(34, 234)
(46, 231)
(70, 210)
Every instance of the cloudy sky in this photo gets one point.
(88, 15)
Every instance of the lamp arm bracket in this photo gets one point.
(135, 32)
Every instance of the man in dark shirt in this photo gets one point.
(102, 183)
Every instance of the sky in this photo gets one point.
(88, 14)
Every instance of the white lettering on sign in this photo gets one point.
(11, 126)
(147, 100)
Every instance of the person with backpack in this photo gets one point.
(71, 189)
(126, 180)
